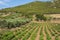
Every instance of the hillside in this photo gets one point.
(34, 7)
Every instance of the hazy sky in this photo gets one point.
(11, 3)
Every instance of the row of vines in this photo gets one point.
(48, 31)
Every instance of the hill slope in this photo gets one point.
(36, 7)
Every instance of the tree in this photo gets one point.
(40, 17)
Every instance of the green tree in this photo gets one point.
(40, 17)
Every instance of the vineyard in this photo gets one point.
(30, 20)
(33, 31)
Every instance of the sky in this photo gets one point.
(12, 3)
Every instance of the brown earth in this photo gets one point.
(38, 34)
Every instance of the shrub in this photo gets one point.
(40, 17)
(11, 23)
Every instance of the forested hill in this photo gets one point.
(36, 7)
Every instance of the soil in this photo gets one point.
(38, 34)
(44, 33)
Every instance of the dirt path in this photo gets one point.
(52, 37)
(17, 35)
(21, 29)
(5, 15)
(52, 21)
(31, 35)
(28, 32)
(44, 33)
(38, 34)
(48, 32)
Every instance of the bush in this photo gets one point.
(40, 17)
